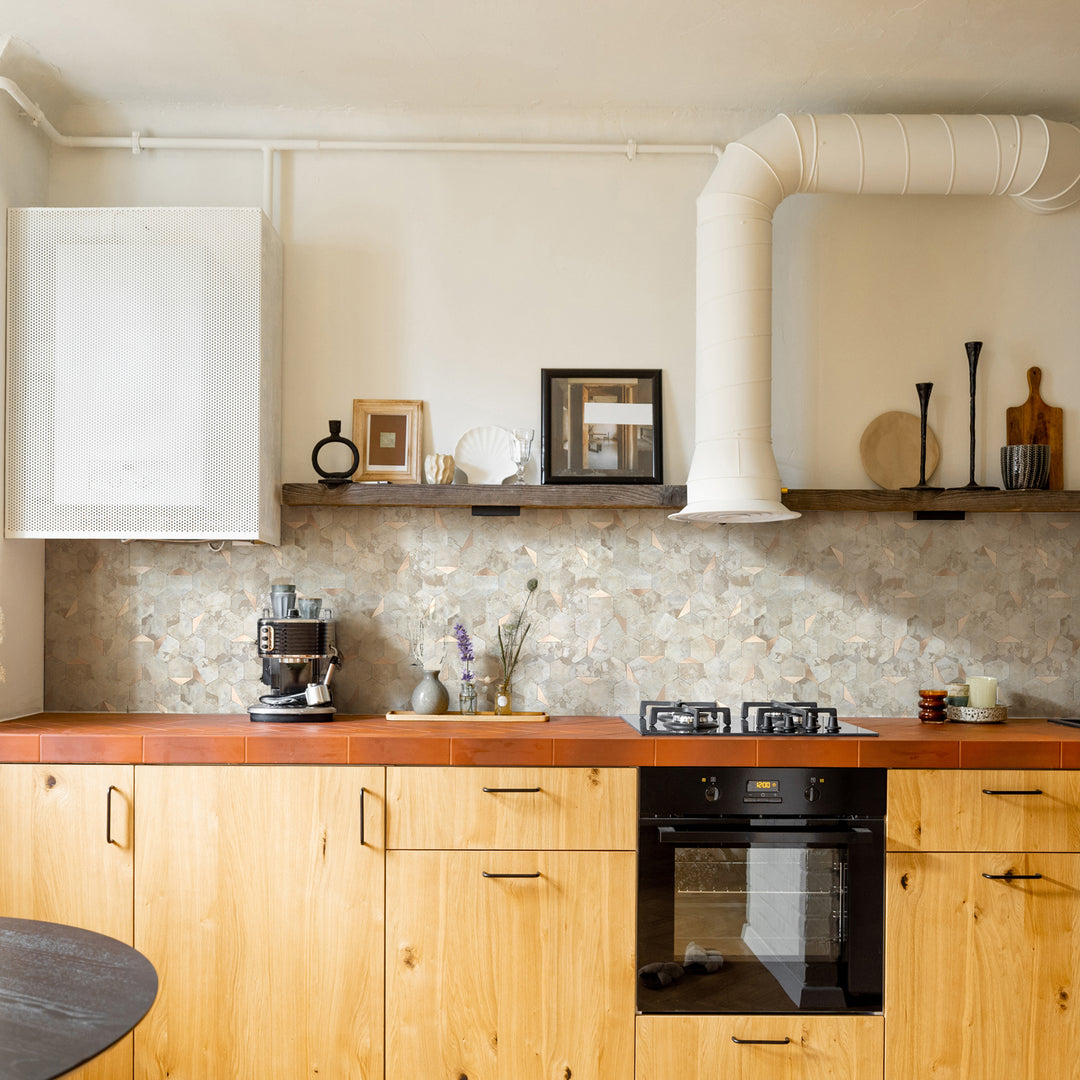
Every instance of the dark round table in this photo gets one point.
(65, 995)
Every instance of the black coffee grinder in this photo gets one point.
(299, 656)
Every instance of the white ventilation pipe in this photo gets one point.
(733, 475)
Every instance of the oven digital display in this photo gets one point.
(761, 787)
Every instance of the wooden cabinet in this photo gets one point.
(980, 952)
(511, 963)
(567, 809)
(984, 810)
(66, 857)
(706, 1047)
(981, 971)
(259, 899)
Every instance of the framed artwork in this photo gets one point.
(387, 434)
(601, 426)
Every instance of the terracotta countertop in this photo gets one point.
(151, 738)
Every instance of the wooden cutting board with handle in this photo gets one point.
(1037, 422)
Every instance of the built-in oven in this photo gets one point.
(760, 890)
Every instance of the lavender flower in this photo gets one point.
(465, 651)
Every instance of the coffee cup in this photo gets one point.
(282, 600)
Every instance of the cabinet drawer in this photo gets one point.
(704, 1047)
(984, 810)
(523, 809)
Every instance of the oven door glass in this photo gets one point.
(762, 926)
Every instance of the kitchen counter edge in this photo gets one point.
(584, 741)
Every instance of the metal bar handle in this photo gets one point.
(108, 815)
(1010, 876)
(362, 841)
(486, 874)
(501, 790)
(992, 791)
(744, 837)
(761, 1042)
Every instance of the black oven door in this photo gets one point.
(760, 916)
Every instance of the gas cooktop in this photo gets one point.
(756, 718)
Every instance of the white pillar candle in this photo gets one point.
(983, 692)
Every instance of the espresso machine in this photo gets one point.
(299, 656)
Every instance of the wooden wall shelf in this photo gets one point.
(671, 497)
(553, 496)
(808, 500)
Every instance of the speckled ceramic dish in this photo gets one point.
(964, 714)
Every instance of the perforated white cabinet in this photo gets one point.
(143, 374)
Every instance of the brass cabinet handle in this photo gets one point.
(500, 790)
(108, 815)
(487, 875)
(991, 791)
(761, 1042)
(1010, 876)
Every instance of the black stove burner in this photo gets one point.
(755, 718)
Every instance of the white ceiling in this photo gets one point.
(433, 56)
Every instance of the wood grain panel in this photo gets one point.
(701, 1048)
(980, 974)
(947, 810)
(572, 808)
(510, 978)
(57, 865)
(263, 914)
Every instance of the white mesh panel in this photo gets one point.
(143, 373)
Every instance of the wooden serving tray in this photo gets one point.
(533, 717)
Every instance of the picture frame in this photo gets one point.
(601, 426)
(387, 434)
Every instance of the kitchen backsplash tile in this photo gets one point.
(855, 610)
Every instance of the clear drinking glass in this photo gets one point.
(521, 441)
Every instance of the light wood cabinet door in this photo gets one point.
(984, 810)
(980, 972)
(510, 978)
(520, 808)
(259, 899)
(704, 1047)
(66, 857)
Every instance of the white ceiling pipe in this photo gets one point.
(733, 475)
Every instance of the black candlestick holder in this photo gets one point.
(973, 349)
(923, 390)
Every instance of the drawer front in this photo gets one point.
(705, 1047)
(513, 809)
(984, 810)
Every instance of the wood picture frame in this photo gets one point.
(601, 426)
(387, 434)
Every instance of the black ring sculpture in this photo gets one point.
(334, 478)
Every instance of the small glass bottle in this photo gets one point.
(467, 699)
(504, 699)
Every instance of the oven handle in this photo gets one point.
(787, 837)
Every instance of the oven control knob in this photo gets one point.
(812, 793)
(712, 793)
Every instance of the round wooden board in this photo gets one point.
(889, 450)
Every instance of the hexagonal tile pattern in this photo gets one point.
(856, 610)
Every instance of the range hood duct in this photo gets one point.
(733, 475)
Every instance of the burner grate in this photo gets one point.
(756, 718)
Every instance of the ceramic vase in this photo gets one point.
(430, 696)
(439, 468)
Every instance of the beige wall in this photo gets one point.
(456, 278)
(23, 166)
